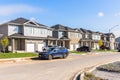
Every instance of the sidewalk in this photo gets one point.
(12, 60)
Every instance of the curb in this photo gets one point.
(80, 74)
(12, 60)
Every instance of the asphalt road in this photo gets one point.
(57, 69)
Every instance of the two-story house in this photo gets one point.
(26, 35)
(75, 36)
(110, 38)
(90, 38)
(86, 38)
(67, 36)
(96, 37)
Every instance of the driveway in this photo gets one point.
(57, 69)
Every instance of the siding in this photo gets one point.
(4, 29)
(36, 32)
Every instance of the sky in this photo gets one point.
(96, 15)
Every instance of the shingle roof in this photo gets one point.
(85, 31)
(19, 21)
(108, 34)
(59, 26)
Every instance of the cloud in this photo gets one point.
(100, 14)
(117, 14)
(7, 10)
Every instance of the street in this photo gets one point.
(57, 69)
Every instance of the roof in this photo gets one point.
(108, 34)
(61, 27)
(85, 31)
(17, 35)
(64, 38)
(19, 21)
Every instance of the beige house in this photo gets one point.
(75, 36)
(110, 39)
(26, 35)
(67, 36)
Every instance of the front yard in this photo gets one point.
(16, 55)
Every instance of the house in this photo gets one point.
(110, 39)
(26, 35)
(67, 36)
(75, 36)
(96, 37)
(86, 39)
(90, 38)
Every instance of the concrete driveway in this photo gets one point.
(57, 69)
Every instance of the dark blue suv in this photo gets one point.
(54, 52)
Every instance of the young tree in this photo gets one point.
(4, 42)
(100, 43)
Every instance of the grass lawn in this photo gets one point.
(16, 55)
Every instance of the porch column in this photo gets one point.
(63, 43)
(90, 45)
(13, 45)
(56, 43)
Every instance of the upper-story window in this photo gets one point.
(71, 34)
(15, 29)
(32, 30)
(61, 34)
(86, 36)
(77, 35)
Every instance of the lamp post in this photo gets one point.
(109, 35)
(112, 28)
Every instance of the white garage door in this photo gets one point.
(30, 47)
(71, 47)
(40, 46)
(77, 45)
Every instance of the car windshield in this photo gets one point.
(50, 49)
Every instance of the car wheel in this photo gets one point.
(50, 57)
(64, 55)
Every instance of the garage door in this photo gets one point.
(71, 47)
(30, 47)
(77, 46)
(40, 46)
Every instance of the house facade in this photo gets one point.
(67, 36)
(90, 38)
(26, 35)
(110, 39)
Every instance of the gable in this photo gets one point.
(31, 23)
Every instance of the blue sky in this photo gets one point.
(96, 15)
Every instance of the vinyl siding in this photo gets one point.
(36, 32)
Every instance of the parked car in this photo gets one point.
(84, 49)
(103, 47)
(118, 49)
(54, 52)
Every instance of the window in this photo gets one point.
(32, 30)
(77, 35)
(86, 36)
(71, 34)
(15, 29)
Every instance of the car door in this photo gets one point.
(55, 53)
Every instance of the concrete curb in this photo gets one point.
(12, 60)
(80, 74)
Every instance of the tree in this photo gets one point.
(100, 43)
(4, 42)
